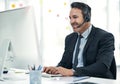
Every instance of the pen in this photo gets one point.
(40, 67)
(29, 67)
(33, 68)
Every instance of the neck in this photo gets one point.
(85, 26)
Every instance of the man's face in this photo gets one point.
(76, 19)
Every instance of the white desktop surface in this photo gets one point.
(22, 78)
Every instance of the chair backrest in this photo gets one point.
(113, 68)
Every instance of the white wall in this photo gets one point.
(52, 22)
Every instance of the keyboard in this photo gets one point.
(51, 75)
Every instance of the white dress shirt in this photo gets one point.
(82, 45)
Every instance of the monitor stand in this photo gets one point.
(5, 48)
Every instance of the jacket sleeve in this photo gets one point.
(66, 60)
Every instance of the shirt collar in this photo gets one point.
(87, 32)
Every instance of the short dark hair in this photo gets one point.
(86, 10)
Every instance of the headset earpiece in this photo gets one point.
(86, 14)
(87, 18)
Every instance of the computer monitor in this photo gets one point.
(18, 29)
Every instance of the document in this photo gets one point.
(78, 79)
(70, 79)
(84, 83)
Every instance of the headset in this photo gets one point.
(86, 14)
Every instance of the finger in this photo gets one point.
(44, 69)
(58, 70)
(54, 71)
(48, 70)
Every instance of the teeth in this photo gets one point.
(74, 25)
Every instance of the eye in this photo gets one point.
(75, 17)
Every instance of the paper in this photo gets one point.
(76, 79)
(70, 79)
(84, 83)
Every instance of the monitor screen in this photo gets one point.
(19, 27)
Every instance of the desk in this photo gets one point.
(22, 78)
(62, 80)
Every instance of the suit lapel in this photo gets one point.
(90, 39)
(74, 39)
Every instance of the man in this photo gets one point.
(95, 54)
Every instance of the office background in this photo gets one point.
(53, 25)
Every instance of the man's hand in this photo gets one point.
(50, 70)
(64, 71)
(58, 70)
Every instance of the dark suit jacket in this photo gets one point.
(98, 54)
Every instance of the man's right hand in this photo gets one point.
(50, 70)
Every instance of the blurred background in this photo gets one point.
(52, 23)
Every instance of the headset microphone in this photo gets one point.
(81, 24)
(86, 19)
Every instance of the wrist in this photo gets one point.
(72, 72)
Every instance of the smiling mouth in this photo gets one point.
(74, 26)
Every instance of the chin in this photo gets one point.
(76, 30)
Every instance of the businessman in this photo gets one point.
(89, 51)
